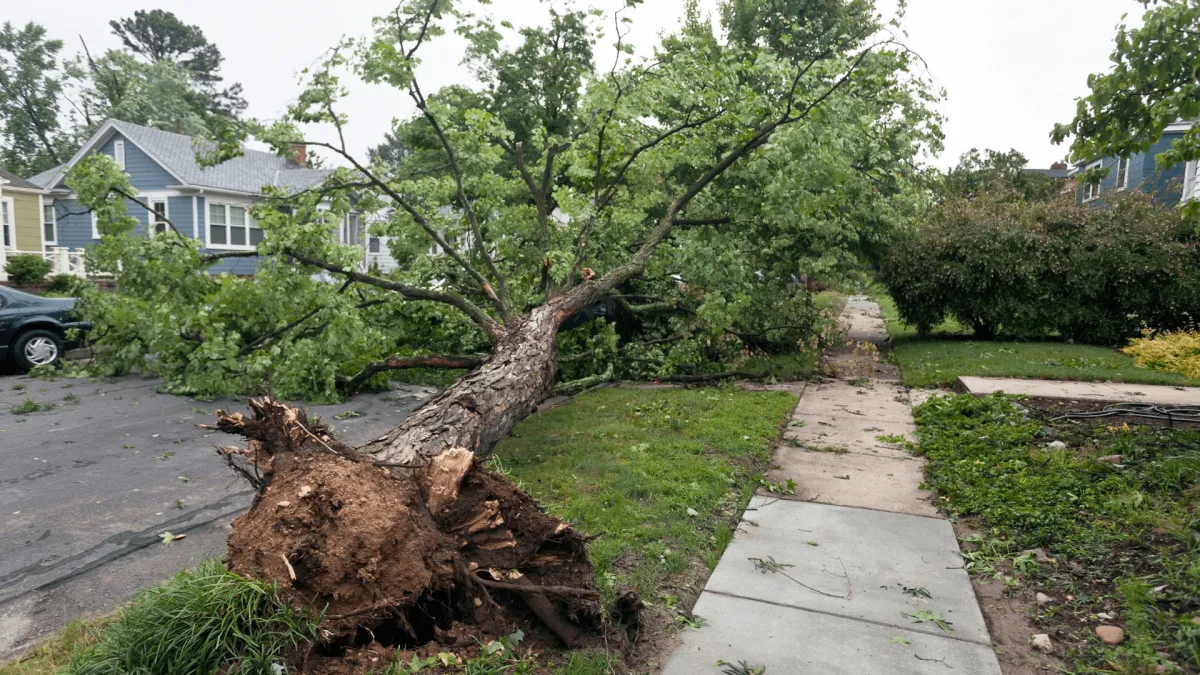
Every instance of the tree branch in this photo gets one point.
(480, 317)
(397, 362)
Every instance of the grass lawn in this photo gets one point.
(949, 352)
(1123, 536)
(661, 475)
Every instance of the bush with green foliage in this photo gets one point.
(27, 270)
(66, 285)
(1031, 270)
(206, 620)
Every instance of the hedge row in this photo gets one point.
(1030, 270)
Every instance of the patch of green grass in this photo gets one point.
(786, 367)
(201, 621)
(56, 652)
(949, 352)
(1125, 536)
(633, 464)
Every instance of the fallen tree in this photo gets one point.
(556, 202)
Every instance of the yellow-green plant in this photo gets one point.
(1175, 351)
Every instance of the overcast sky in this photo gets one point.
(1010, 68)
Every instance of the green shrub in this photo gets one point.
(65, 284)
(1030, 270)
(27, 270)
(208, 620)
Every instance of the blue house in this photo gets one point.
(1139, 172)
(211, 204)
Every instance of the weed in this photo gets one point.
(788, 487)
(927, 616)
(892, 439)
(18, 387)
(346, 415)
(831, 449)
(27, 407)
(180, 505)
(165, 456)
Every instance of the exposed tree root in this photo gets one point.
(406, 554)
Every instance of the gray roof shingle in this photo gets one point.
(12, 179)
(177, 153)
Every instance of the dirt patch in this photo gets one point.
(1010, 615)
(408, 560)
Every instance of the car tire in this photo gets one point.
(37, 347)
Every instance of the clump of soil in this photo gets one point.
(405, 559)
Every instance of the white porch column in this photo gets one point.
(62, 261)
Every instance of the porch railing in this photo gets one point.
(62, 260)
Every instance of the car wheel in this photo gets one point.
(37, 348)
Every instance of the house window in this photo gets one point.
(350, 234)
(374, 245)
(6, 222)
(158, 216)
(119, 153)
(1122, 173)
(232, 226)
(1091, 191)
(49, 224)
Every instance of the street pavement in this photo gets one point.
(90, 482)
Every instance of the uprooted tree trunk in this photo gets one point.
(409, 537)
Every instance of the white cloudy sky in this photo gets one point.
(1011, 68)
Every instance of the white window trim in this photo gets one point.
(1090, 186)
(1123, 184)
(53, 222)
(119, 153)
(11, 226)
(148, 198)
(95, 230)
(1189, 182)
(208, 242)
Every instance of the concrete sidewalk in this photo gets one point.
(1082, 391)
(856, 573)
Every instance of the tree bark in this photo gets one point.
(484, 405)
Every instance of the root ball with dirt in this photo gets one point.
(405, 556)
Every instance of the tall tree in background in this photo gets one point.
(30, 85)
(159, 35)
(1154, 82)
(999, 174)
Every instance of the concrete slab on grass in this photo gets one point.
(852, 563)
(867, 481)
(1082, 391)
(801, 642)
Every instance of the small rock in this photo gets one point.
(284, 504)
(1043, 599)
(1039, 554)
(304, 490)
(1111, 459)
(1042, 643)
(1056, 445)
(1110, 635)
(1104, 616)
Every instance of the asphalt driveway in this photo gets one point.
(90, 481)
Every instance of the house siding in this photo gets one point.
(1144, 175)
(144, 173)
(27, 220)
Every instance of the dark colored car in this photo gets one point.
(33, 329)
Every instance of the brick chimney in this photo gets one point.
(1057, 166)
(299, 154)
